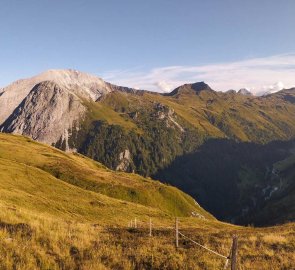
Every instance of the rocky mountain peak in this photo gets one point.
(187, 88)
(200, 86)
(69, 77)
(48, 112)
(78, 83)
(245, 92)
(44, 85)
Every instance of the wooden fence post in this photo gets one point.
(234, 253)
(150, 227)
(176, 232)
(135, 224)
(228, 258)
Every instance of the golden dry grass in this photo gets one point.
(56, 243)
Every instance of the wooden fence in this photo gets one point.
(232, 257)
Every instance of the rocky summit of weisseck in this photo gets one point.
(46, 106)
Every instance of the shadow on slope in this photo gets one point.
(233, 180)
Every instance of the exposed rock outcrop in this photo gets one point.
(46, 114)
(168, 115)
(125, 159)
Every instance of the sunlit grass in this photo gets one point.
(65, 211)
(61, 243)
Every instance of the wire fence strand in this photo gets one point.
(188, 238)
(216, 253)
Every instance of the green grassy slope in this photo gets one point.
(31, 168)
(158, 128)
(256, 119)
(32, 189)
(217, 114)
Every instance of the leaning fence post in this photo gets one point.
(234, 253)
(150, 227)
(176, 232)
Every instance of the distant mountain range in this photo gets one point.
(176, 137)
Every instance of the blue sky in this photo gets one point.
(128, 41)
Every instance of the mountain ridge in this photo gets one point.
(144, 132)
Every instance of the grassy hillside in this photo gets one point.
(26, 159)
(219, 115)
(65, 211)
(39, 241)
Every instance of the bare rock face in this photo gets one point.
(46, 114)
(81, 84)
(168, 115)
(125, 159)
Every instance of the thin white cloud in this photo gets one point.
(163, 86)
(258, 74)
(272, 88)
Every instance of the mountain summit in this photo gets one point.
(245, 92)
(75, 82)
(191, 88)
(46, 113)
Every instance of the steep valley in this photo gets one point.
(238, 181)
